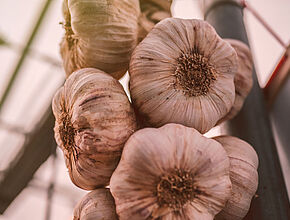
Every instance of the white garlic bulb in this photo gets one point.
(172, 172)
(244, 177)
(243, 79)
(99, 34)
(96, 205)
(94, 119)
(183, 72)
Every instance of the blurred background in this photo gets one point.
(31, 71)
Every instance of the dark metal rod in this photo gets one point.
(252, 124)
(24, 52)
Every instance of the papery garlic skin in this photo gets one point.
(94, 119)
(100, 34)
(152, 11)
(244, 177)
(243, 79)
(183, 72)
(172, 172)
(96, 205)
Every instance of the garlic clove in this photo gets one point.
(94, 118)
(243, 78)
(96, 205)
(99, 34)
(171, 173)
(244, 177)
(183, 72)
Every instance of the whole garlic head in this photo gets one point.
(244, 177)
(183, 72)
(94, 119)
(243, 79)
(172, 172)
(100, 34)
(152, 11)
(96, 205)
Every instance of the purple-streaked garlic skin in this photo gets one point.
(183, 72)
(99, 34)
(94, 119)
(96, 205)
(172, 172)
(244, 177)
(243, 79)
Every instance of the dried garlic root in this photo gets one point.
(172, 172)
(183, 72)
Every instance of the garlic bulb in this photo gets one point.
(183, 72)
(99, 34)
(172, 172)
(96, 205)
(94, 119)
(152, 11)
(244, 177)
(243, 79)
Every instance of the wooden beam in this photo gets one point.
(33, 154)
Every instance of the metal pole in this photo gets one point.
(24, 52)
(252, 124)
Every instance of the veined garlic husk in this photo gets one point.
(152, 11)
(94, 119)
(99, 34)
(183, 72)
(172, 172)
(243, 79)
(244, 177)
(96, 205)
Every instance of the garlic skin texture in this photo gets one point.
(183, 72)
(172, 172)
(244, 177)
(100, 34)
(152, 11)
(243, 79)
(94, 119)
(96, 205)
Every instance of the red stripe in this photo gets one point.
(276, 70)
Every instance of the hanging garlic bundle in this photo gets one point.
(183, 72)
(244, 177)
(243, 79)
(172, 172)
(94, 119)
(99, 34)
(152, 11)
(96, 205)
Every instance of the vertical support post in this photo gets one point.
(252, 123)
